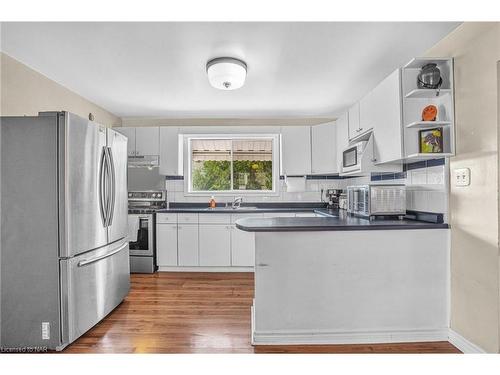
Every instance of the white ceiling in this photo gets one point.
(158, 69)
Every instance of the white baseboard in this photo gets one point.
(464, 345)
(368, 337)
(205, 269)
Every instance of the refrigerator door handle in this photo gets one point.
(113, 186)
(98, 258)
(108, 185)
(102, 187)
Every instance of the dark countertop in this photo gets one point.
(342, 222)
(249, 208)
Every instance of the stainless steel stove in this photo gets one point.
(142, 206)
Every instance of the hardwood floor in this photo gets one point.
(201, 313)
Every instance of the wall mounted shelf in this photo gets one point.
(415, 99)
(420, 156)
(427, 124)
(427, 93)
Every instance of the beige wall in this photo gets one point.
(474, 211)
(27, 92)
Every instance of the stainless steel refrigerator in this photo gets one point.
(65, 258)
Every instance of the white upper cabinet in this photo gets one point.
(353, 121)
(130, 134)
(147, 141)
(169, 151)
(296, 150)
(324, 145)
(342, 125)
(142, 140)
(385, 117)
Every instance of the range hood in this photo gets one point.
(146, 161)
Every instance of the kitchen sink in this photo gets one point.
(242, 208)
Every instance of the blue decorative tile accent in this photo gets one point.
(435, 162)
(174, 177)
(387, 176)
(416, 165)
(400, 176)
(318, 177)
(376, 177)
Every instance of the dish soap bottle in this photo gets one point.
(212, 202)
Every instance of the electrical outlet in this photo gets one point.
(462, 176)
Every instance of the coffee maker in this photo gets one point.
(332, 197)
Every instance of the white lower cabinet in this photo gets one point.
(187, 245)
(215, 245)
(166, 244)
(242, 248)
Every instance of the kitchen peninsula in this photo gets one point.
(337, 280)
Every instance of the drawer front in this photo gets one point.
(215, 218)
(235, 217)
(93, 284)
(187, 219)
(166, 218)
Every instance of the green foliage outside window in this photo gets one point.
(215, 175)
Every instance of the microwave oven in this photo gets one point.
(376, 200)
(352, 157)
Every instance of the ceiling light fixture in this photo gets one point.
(226, 73)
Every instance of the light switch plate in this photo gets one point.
(462, 176)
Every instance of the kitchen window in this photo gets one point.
(226, 164)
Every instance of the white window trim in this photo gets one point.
(187, 165)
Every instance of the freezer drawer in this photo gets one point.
(92, 285)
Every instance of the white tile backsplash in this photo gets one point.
(302, 190)
(417, 176)
(427, 190)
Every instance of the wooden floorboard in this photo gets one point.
(201, 313)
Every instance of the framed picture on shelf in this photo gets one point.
(431, 141)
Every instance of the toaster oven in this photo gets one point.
(376, 200)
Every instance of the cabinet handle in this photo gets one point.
(262, 265)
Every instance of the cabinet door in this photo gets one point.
(215, 245)
(367, 111)
(342, 126)
(296, 150)
(169, 151)
(353, 121)
(166, 244)
(187, 244)
(386, 114)
(130, 134)
(242, 248)
(324, 145)
(147, 140)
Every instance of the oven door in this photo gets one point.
(350, 159)
(142, 243)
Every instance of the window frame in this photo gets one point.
(187, 164)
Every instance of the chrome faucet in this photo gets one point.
(236, 202)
